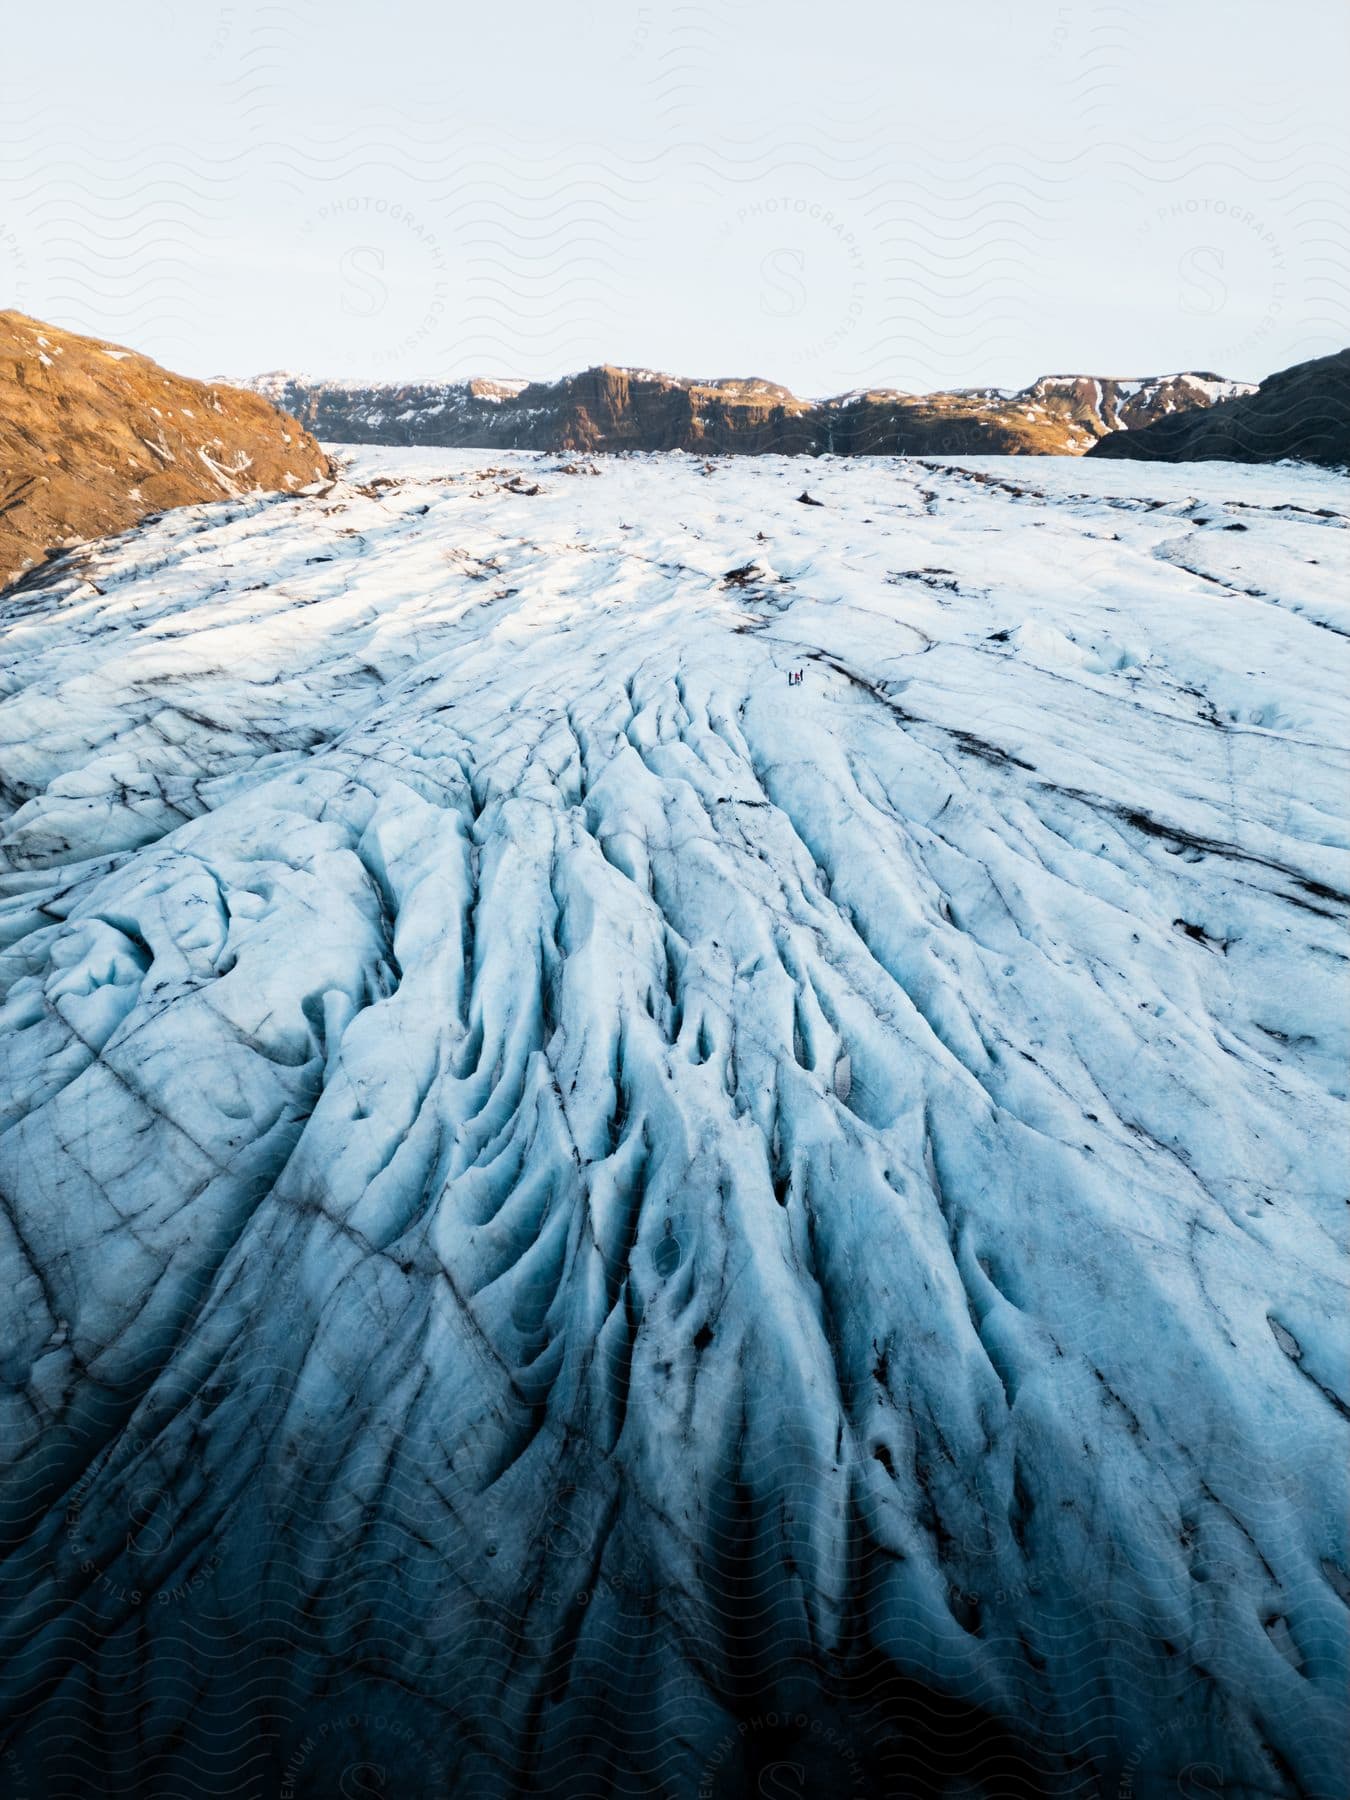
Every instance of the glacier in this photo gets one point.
(578, 1219)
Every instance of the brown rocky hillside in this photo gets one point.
(93, 437)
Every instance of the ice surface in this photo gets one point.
(579, 1219)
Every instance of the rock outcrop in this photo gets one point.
(609, 408)
(94, 437)
(1302, 413)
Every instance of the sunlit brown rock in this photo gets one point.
(93, 437)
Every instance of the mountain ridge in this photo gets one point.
(609, 407)
(1301, 413)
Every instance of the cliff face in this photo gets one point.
(477, 413)
(1302, 413)
(93, 437)
(621, 409)
(608, 408)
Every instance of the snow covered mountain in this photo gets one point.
(580, 1219)
(609, 408)
(1301, 413)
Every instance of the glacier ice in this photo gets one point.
(578, 1219)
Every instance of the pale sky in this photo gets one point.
(828, 195)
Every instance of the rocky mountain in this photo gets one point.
(608, 408)
(1301, 413)
(94, 437)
